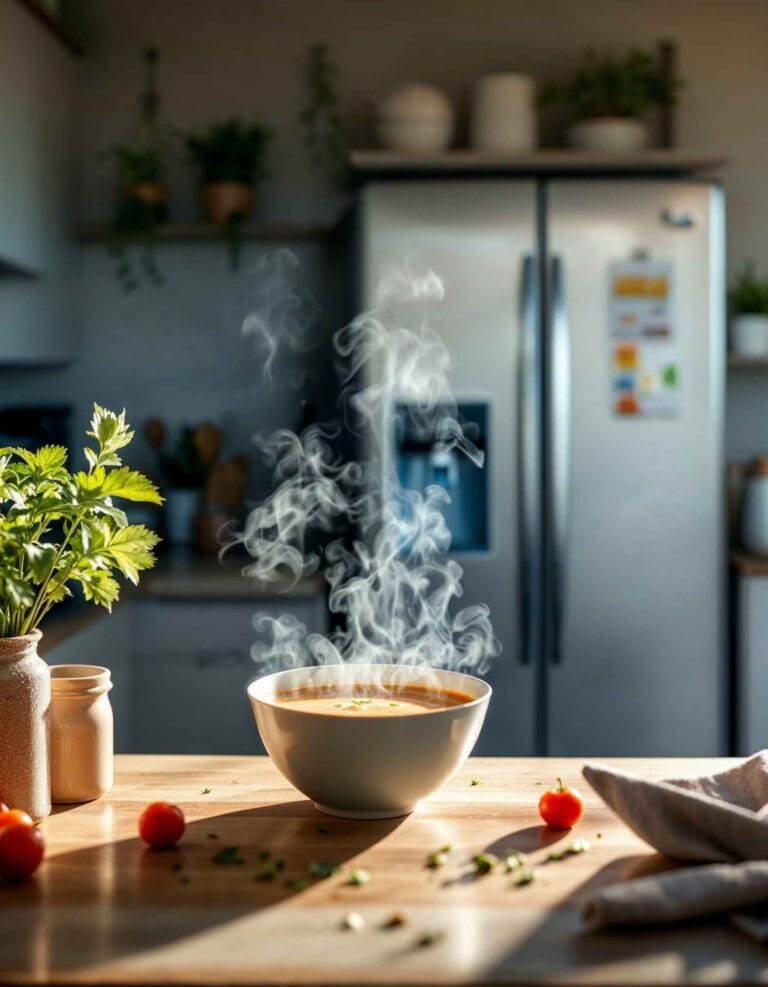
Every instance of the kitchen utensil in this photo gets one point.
(372, 767)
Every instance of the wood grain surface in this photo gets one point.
(103, 909)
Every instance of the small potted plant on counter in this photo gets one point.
(185, 468)
(141, 206)
(230, 159)
(609, 95)
(748, 299)
(58, 529)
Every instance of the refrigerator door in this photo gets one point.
(480, 238)
(635, 563)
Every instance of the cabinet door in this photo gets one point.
(37, 152)
(192, 666)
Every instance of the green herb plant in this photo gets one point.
(323, 131)
(60, 529)
(614, 86)
(749, 294)
(231, 151)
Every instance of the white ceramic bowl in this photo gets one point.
(374, 767)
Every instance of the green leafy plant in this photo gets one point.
(324, 136)
(608, 85)
(230, 152)
(60, 529)
(136, 219)
(749, 294)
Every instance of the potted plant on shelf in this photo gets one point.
(185, 468)
(230, 158)
(748, 299)
(58, 530)
(609, 95)
(141, 206)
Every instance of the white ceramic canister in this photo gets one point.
(503, 114)
(754, 514)
(25, 699)
(82, 733)
(749, 335)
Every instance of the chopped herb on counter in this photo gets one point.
(527, 877)
(267, 873)
(228, 855)
(437, 859)
(578, 846)
(358, 877)
(206, 791)
(484, 862)
(354, 922)
(396, 920)
(279, 865)
(514, 860)
(556, 855)
(213, 836)
(321, 869)
(177, 865)
(264, 855)
(430, 938)
(474, 781)
(296, 884)
(323, 830)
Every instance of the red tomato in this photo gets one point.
(161, 824)
(21, 850)
(14, 817)
(561, 807)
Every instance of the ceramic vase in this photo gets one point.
(609, 135)
(749, 335)
(25, 699)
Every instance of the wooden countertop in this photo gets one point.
(104, 910)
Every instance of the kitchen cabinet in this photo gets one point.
(192, 665)
(37, 152)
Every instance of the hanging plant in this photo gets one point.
(324, 134)
(141, 192)
(230, 158)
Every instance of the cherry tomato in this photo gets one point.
(561, 807)
(21, 850)
(14, 817)
(161, 824)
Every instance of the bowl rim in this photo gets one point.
(478, 700)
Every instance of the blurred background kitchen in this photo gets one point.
(178, 180)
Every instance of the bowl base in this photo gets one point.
(331, 810)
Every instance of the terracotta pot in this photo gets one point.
(222, 199)
(25, 700)
(151, 193)
(82, 733)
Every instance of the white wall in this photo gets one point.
(176, 350)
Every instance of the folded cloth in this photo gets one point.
(720, 818)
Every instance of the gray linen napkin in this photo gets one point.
(718, 820)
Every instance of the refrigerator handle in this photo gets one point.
(558, 452)
(528, 391)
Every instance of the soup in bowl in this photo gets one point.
(368, 741)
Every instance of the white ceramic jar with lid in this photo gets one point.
(754, 517)
(504, 114)
(415, 119)
(82, 733)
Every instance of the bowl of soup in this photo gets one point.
(368, 741)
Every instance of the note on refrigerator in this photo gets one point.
(644, 360)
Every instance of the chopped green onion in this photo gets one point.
(354, 921)
(484, 862)
(474, 781)
(358, 877)
(206, 791)
(578, 846)
(437, 859)
(322, 869)
(527, 877)
(514, 860)
(228, 855)
(430, 938)
(556, 855)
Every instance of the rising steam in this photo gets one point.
(389, 582)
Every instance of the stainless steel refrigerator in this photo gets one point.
(602, 555)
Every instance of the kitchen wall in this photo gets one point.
(177, 350)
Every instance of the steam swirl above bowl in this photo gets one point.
(380, 739)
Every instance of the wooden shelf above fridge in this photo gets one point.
(554, 162)
(739, 362)
(205, 232)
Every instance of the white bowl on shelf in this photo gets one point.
(608, 135)
(371, 767)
